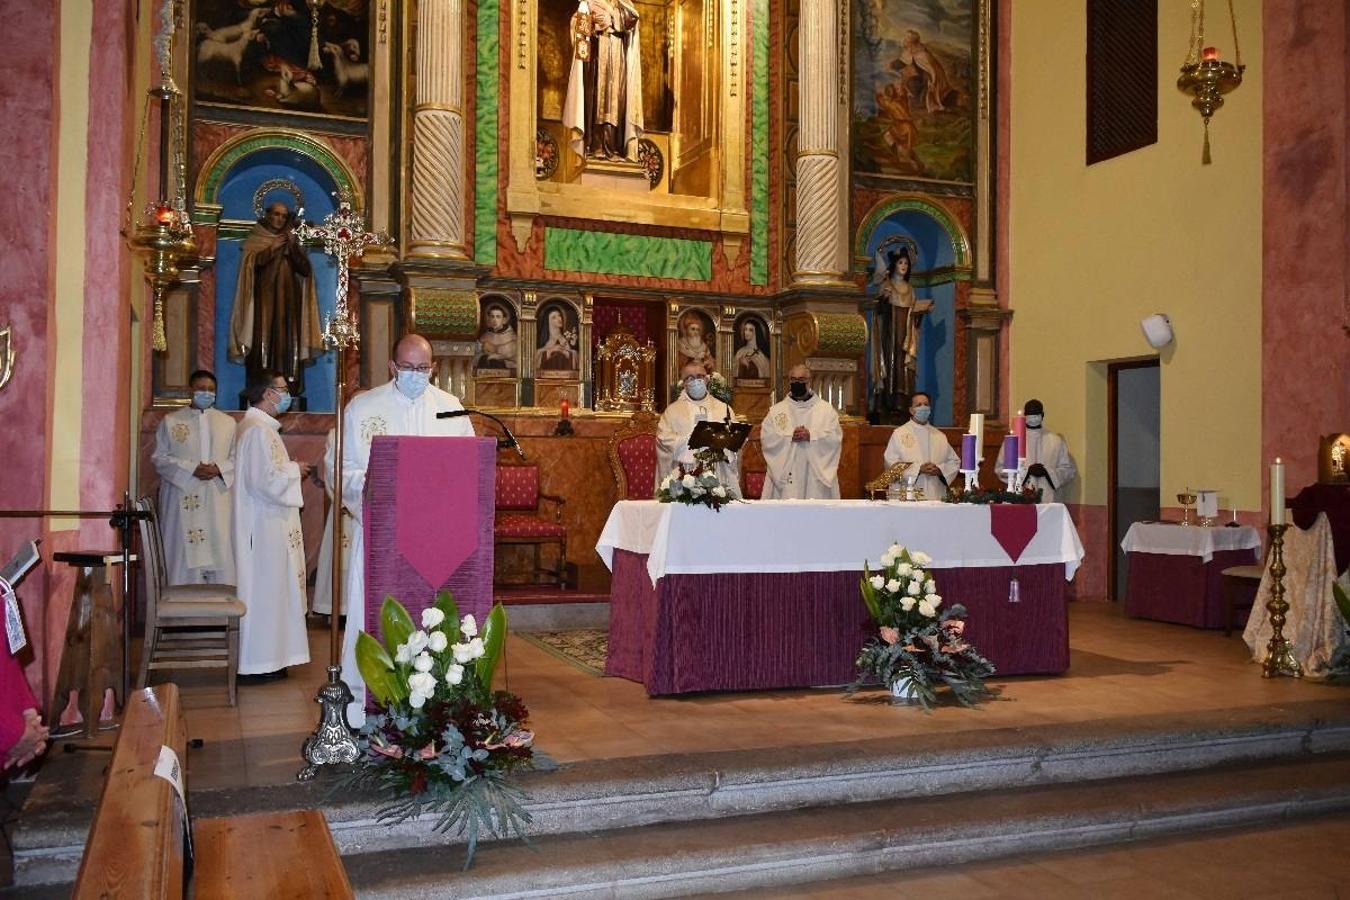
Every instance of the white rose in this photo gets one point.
(697, 491)
(917, 574)
(906, 603)
(476, 648)
(468, 626)
(438, 642)
(423, 662)
(893, 585)
(416, 700)
(454, 674)
(402, 654)
(897, 550)
(905, 569)
(913, 589)
(927, 609)
(422, 683)
(878, 582)
(431, 617)
(689, 481)
(461, 652)
(935, 599)
(929, 586)
(417, 642)
(921, 558)
(887, 559)
(719, 491)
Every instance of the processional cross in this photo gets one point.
(344, 237)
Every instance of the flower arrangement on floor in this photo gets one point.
(719, 387)
(919, 646)
(442, 741)
(698, 484)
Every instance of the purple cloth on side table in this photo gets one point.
(461, 523)
(1334, 500)
(1180, 589)
(724, 632)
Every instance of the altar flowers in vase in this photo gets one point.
(442, 740)
(697, 484)
(920, 643)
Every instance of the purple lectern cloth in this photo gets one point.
(739, 631)
(446, 520)
(1180, 589)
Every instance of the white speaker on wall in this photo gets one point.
(1157, 330)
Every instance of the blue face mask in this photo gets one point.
(696, 389)
(920, 414)
(203, 399)
(283, 402)
(411, 384)
(1035, 421)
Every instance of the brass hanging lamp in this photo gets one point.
(1206, 77)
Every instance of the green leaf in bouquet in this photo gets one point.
(377, 669)
(395, 624)
(1342, 601)
(445, 602)
(870, 595)
(494, 638)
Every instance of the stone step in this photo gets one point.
(815, 844)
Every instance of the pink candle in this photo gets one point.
(1020, 430)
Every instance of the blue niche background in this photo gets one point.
(316, 187)
(937, 359)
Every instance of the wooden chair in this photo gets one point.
(1237, 582)
(632, 457)
(520, 519)
(187, 626)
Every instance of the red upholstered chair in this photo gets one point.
(520, 520)
(754, 485)
(632, 457)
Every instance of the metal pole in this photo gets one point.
(334, 639)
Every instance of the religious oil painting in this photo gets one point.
(696, 341)
(751, 361)
(556, 354)
(293, 56)
(914, 89)
(498, 348)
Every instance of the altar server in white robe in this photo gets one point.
(801, 439)
(1049, 466)
(406, 405)
(323, 572)
(693, 405)
(192, 457)
(926, 448)
(269, 545)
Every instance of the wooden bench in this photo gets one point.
(136, 849)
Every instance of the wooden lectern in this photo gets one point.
(428, 518)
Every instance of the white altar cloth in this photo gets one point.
(823, 536)
(1170, 539)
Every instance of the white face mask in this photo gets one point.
(411, 384)
(696, 389)
(1034, 421)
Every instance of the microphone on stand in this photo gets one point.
(508, 441)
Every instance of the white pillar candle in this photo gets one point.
(977, 429)
(1277, 492)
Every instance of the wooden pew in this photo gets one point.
(135, 846)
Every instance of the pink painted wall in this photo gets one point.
(1306, 278)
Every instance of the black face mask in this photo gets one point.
(798, 390)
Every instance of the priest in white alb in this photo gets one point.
(693, 405)
(933, 462)
(269, 544)
(1049, 465)
(323, 572)
(801, 439)
(405, 405)
(192, 457)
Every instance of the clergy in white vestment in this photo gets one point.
(926, 448)
(693, 405)
(407, 405)
(1049, 466)
(268, 542)
(192, 457)
(801, 439)
(323, 573)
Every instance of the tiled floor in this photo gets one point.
(1300, 861)
(1120, 667)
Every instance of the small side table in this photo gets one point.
(91, 661)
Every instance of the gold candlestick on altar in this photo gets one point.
(1279, 651)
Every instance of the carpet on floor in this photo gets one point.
(584, 648)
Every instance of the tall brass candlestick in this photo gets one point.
(1279, 651)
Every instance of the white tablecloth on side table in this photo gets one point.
(1172, 539)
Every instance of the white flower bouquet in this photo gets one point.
(697, 485)
(442, 741)
(719, 387)
(920, 645)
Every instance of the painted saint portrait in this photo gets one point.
(913, 84)
(752, 349)
(556, 344)
(498, 348)
(296, 56)
(696, 341)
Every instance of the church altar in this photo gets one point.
(1176, 572)
(765, 595)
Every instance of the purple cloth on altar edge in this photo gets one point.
(1182, 590)
(388, 570)
(1014, 526)
(760, 631)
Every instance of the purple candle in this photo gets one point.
(968, 453)
(1010, 452)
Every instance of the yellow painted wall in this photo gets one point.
(1095, 249)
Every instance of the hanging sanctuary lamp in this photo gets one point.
(1206, 77)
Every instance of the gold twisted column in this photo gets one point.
(436, 227)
